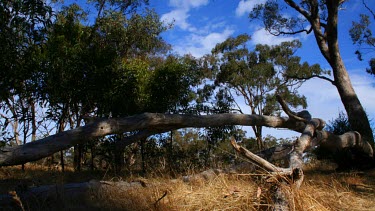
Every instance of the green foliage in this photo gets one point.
(64, 57)
(117, 66)
(371, 70)
(261, 74)
(340, 125)
(110, 58)
(171, 83)
(129, 6)
(277, 23)
(22, 26)
(361, 34)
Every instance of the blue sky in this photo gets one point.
(200, 24)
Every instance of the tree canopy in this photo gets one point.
(261, 74)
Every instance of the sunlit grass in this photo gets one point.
(321, 190)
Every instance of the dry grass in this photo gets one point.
(322, 190)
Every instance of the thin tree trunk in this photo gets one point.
(258, 135)
(33, 120)
(170, 155)
(77, 157)
(143, 156)
(61, 128)
(92, 165)
(10, 103)
(119, 159)
(77, 149)
(62, 161)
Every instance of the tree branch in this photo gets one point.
(314, 76)
(292, 33)
(299, 9)
(368, 8)
(290, 113)
(255, 158)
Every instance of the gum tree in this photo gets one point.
(320, 18)
(259, 75)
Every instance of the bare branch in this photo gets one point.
(314, 76)
(299, 9)
(308, 31)
(291, 114)
(368, 8)
(255, 158)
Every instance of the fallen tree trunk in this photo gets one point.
(24, 199)
(152, 123)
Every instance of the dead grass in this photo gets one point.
(322, 190)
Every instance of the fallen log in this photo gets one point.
(27, 198)
(147, 124)
(152, 123)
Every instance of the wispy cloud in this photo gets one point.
(262, 36)
(199, 45)
(178, 17)
(187, 3)
(196, 38)
(246, 6)
(180, 13)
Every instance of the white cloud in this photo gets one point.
(261, 36)
(178, 17)
(187, 4)
(246, 6)
(364, 85)
(180, 13)
(199, 45)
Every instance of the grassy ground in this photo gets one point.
(323, 189)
